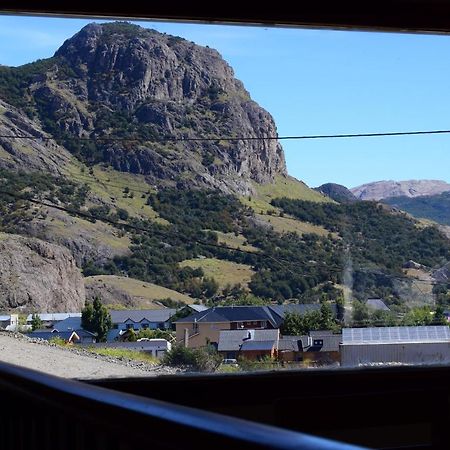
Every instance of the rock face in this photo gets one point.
(119, 80)
(38, 276)
(27, 154)
(336, 192)
(88, 242)
(413, 188)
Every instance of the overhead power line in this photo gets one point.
(225, 138)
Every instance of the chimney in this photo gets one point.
(250, 335)
(186, 337)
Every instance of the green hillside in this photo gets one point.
(433, 207)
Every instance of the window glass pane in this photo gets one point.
(207, 193)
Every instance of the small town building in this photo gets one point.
(250, 344)
(69, 337)
(9, 322)
(377, 304)
(322, 347)
(201, 328)
(290, 348)
(402, 345)
(139, 319)
(74, 324)
(49, 320)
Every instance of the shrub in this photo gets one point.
(204, 359)
(58, 341)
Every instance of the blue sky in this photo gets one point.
(314, 82)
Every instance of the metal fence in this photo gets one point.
(42, 412)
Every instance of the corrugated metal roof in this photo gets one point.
(288, 344)
(231, 340)
(274, 314)
(138, 315)
(330, 343)
(377, 304)
(53, 317)
(257, 345)
(301, 309)
(232, 314)
(69, 324)
(47, 335)
(395, 335)
(198, 308)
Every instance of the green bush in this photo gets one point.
(204, 359)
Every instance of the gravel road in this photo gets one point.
(68, 363)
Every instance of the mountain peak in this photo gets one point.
(118, 80)
(379, 190)
(336, 192)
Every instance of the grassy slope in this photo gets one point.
(231, 240)
(288, 224)
(108, 184)
(284, 187)
(98, 232)
(224, 272)
(136, 288)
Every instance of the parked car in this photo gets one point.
(230, 361)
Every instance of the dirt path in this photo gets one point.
(65, 363)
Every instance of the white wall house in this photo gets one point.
(9, 322)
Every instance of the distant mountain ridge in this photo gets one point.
(337, 192)
(379, 190)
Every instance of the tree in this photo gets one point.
(295, 324)
(96, 319)
(36, 322)
(326, 320)
(417, 317)
(439, 316)
(360, 315)
(210, 287)
(383, 319)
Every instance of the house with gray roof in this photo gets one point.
(49, 320)
(318, 347)
(377, 304)
(251, 344)
(69, 337)
(322, 348)
(139, 319)
(74, 324)
(204, 327)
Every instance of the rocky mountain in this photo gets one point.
(139, 96)
(38, 276)
(412, 188)
(27, 154)
(336, 192)
(136, 178)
